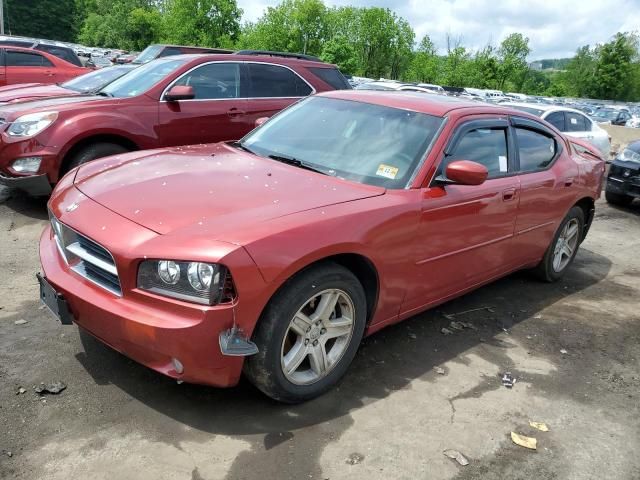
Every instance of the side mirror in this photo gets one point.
(466, 172)
(179, 92)
(261, 120)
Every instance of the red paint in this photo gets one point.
(145, 121)
(266, 221)
(55, 71)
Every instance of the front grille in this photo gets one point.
(86, 257)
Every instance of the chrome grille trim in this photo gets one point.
(86, 257)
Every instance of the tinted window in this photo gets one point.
(16, 43)
(24, 59)
(557, 120)
(536, 150)
(168, 51)
(332, 76)
(64, 53)
(576, 122)
(275, 81)
(486, 146)
(216, 80)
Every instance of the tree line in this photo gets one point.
(364, 41)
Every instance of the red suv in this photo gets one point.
(180, 100)
(25, 65)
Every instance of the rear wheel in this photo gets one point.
(563, 247)
(92, 152)
(618, 198)
(308, 334)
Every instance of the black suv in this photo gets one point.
(623, 180)
(58, 49)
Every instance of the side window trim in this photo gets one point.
(465, 127)
(313, 90)
(526, 124)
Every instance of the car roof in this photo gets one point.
(438, 105)
(544, 108)
(212, 57)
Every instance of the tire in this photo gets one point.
(276, 335)
(619, 199)
(546, 270)
(93, 151)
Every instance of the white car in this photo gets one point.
(571, 122)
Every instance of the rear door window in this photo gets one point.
(332, 76)
(64, 53)
(276, 82)
(576, 122)
(26, 59)
(536, 150)
(557, 120)
(169, 51)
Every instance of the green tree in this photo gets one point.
(341, 53)
(580, 73)
(613, 77)
(52, 19)
(512, 56)
(425, 63)
(201, 22)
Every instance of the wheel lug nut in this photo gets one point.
(306, 341)
(323, 331)
(315, 343)
(308, 329)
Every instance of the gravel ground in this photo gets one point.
(411, 393)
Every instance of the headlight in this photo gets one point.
(206, 283)
(629, 156)
(31, 124)
(27, 164)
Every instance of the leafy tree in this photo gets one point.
(425, 63)
(53, 19)
(201, 22)
(512, 56)
(613, 70)
(341, 53)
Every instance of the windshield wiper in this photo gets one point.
(103, 94)
(296, 163)
(241, 146)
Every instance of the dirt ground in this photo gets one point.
(621, 136)
(574, 348)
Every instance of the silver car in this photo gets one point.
(571, 122)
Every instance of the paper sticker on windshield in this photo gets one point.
(502, 160)
(387, 171)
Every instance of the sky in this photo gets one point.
(555, 28)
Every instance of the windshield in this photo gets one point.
(93, 81)
(142, 78)
(533, 111)
(148, 54)
(356, 141)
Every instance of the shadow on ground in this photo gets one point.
(287, 441)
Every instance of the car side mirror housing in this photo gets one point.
(180, 92)
(261, 120)
(464, 172)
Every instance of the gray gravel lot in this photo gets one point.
(391, 417)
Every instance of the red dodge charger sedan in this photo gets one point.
(345, 213)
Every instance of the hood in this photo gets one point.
(14, 110)
(213, 186)
(33, 91)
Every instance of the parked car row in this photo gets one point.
(197, 245)
(179, 100)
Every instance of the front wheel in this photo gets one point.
(93, 152)
(563, 247)
(309, 334)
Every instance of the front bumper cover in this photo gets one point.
(35, 185)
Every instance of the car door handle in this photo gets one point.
(568, 182)
(509, 194)
(235, 112)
